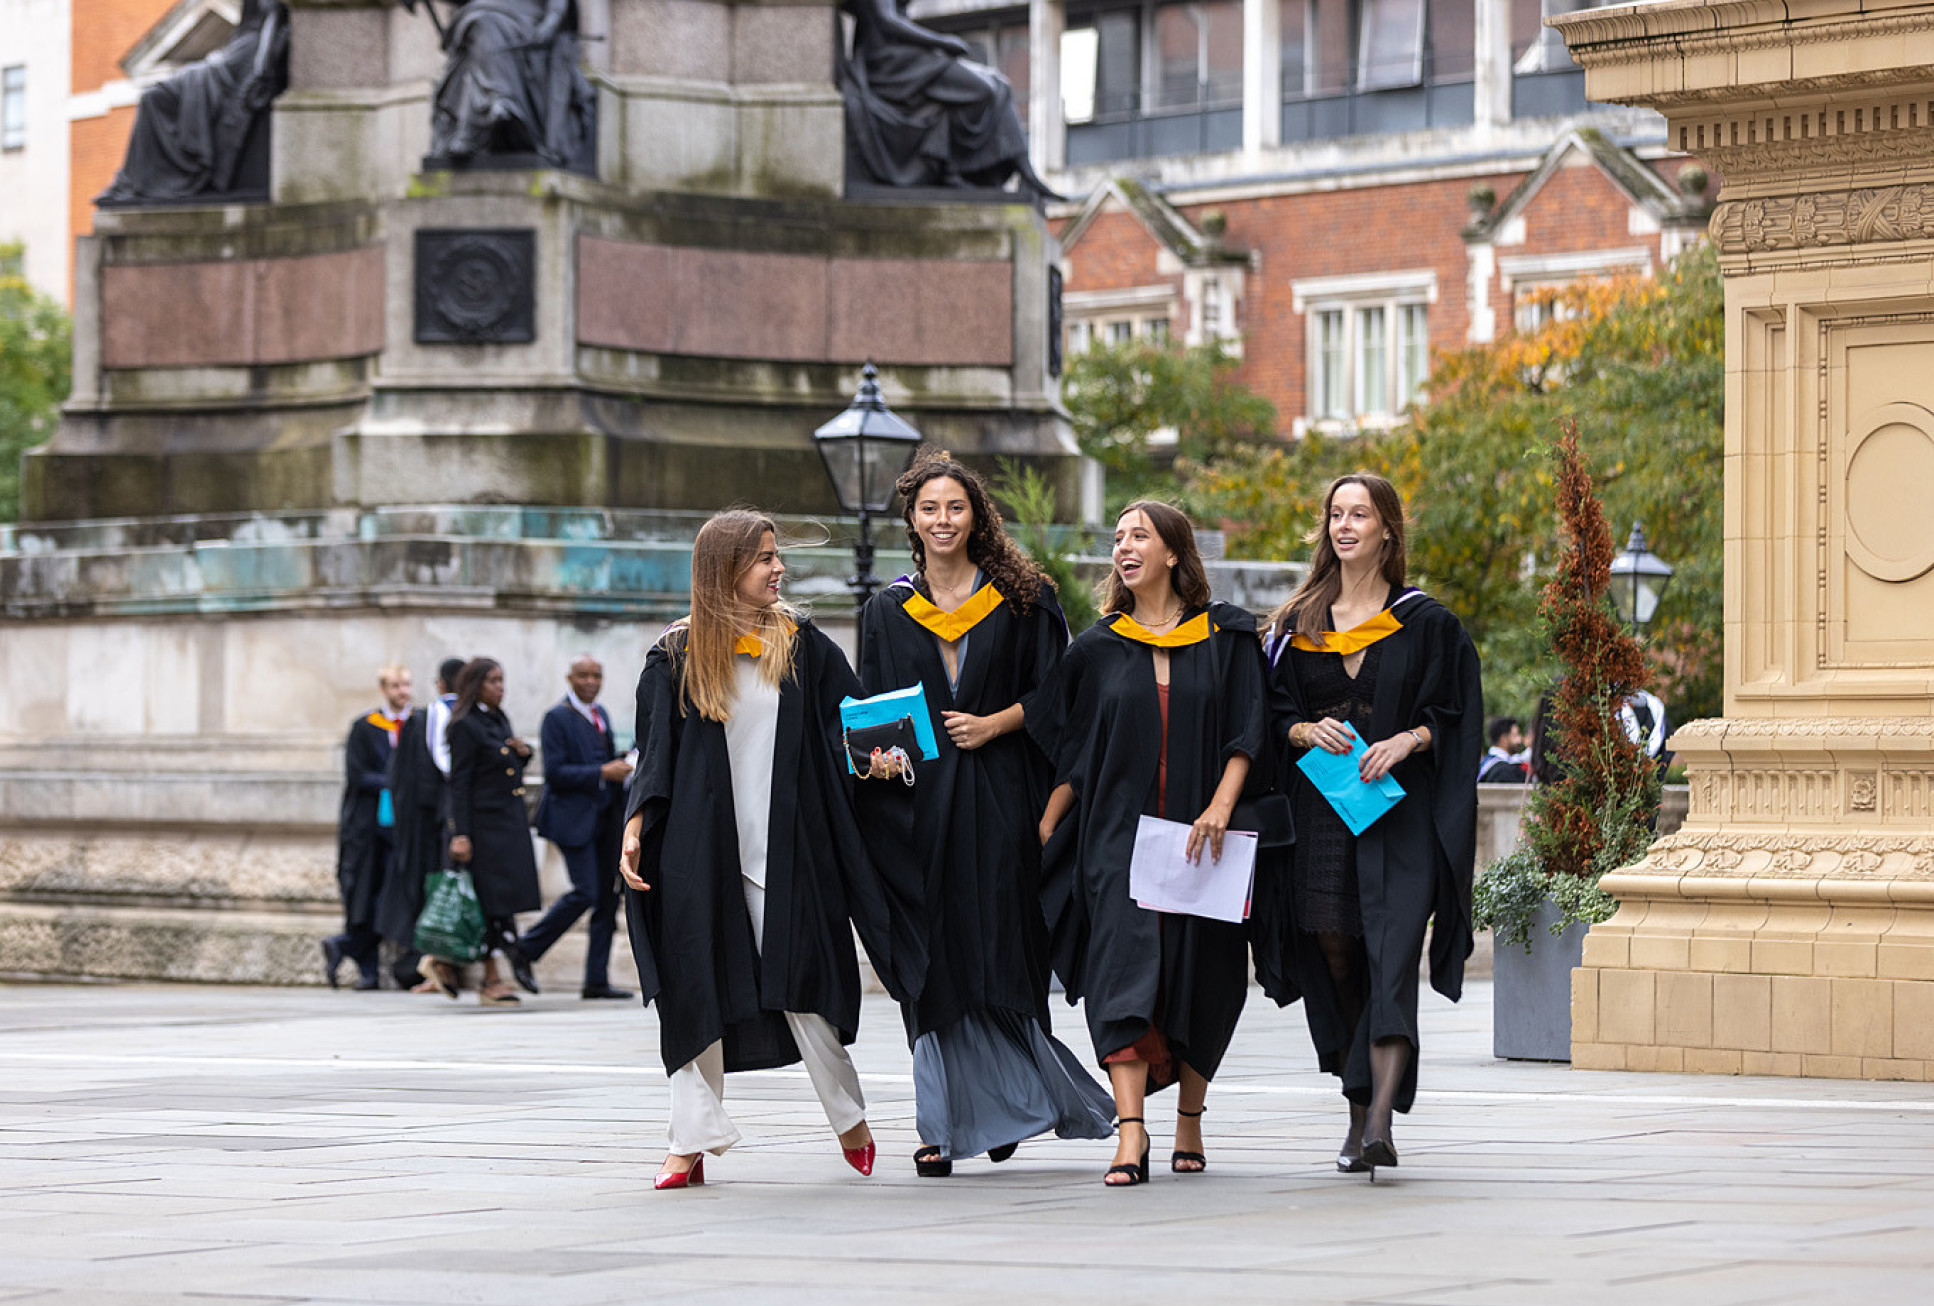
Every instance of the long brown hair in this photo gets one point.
(1187, 577)
(727, 546)
(1308, 609)
(989, 547)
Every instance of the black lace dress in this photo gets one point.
(1324, 878)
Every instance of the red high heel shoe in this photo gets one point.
(860, 1158)
(691, 1178)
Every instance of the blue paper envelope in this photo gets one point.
(884, 709)
(1335, 777)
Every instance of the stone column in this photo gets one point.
(1789, 927)
(1262, 75)
(1047, 133)
(1492, 65)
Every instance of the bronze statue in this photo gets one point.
(920, 112)
(202, 133)
(512, 90)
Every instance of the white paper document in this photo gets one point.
(1162, 878)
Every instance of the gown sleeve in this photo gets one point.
(649, 793)
(1243, 710)
(1272, 937)
(882, 876)
(1043, 639)
(1450, 700)
(464, 751)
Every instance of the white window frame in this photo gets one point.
(1351, 298)
(1522, 275)
(1094, 317)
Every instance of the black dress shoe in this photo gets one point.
(365, 983)
(605, 992)
(332, 959)
(1378, 1153)
(520, 970)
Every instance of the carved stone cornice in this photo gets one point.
(1709, 733)
(1700, 43)
(1812, 862)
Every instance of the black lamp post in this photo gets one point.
(1639, 578)
(864, 449)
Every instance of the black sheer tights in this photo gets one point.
(1389, 1057)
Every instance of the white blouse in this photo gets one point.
(750, 736)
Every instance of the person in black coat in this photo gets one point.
(364, 829)
(416, 786)
(1359, 655)
(977, 626)
(1156, 710)
(488, 823)
(582, 812)
(749, 877)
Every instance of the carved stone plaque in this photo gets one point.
(476, 287)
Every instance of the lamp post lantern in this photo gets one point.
(864, 449)
(1639, 578)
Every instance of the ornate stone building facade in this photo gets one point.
(1789, 927)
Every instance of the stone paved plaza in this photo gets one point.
(185, 1144)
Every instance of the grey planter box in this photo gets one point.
(1531, 993)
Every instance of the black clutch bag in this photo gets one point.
(863, 741)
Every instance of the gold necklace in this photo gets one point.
(1169, 620)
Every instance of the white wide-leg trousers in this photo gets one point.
(699, 1121)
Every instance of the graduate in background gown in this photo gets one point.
(1357, 653)
(365, 829)
(1157, 709)
(977, 626)
(743, 857)
(416, 788)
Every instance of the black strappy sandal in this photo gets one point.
(1176, 1158)
(1137, 1173)
(929, 1162)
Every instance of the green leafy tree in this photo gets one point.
(35, 353)
(1029, 497)
(1120, 395)
(1639, 364)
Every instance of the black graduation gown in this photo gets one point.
(361, 850)
(416, 792)
(690, 935)
(486, 803)
(973, 814)
(1414, 865)
(1099, 719)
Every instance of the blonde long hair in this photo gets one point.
(727, 546)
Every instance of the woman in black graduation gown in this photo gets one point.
(978, 627)
(743, 855)
(489, 823)
(1357, 654)
(1157, 709)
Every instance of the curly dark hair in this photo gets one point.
(989, 546)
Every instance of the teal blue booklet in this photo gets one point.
(1335, 777)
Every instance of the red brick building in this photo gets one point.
(1334, 187)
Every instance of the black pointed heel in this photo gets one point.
(1001, 1153)
(1137, 1173)
(1176, 1158)
(929, 1163)
(1377, 1152)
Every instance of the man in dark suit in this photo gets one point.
(582, 812)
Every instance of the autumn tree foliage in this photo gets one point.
(1595, 816)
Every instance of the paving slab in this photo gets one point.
(174, 1144)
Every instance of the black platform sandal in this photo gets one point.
(1137, 1173)
(929, 1162)
(1175, 1159)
